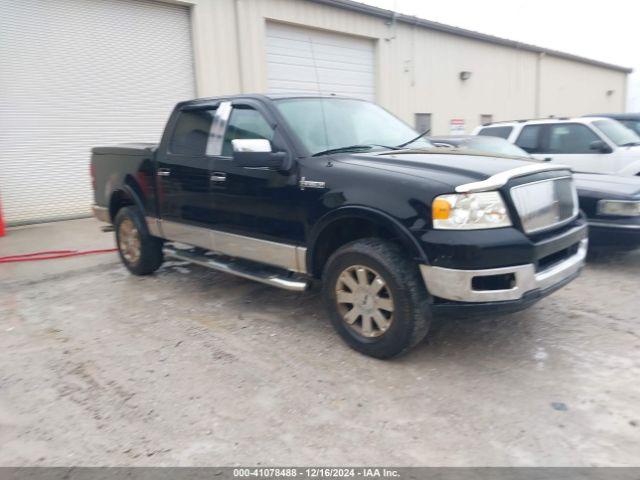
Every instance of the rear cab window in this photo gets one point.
(501, 132)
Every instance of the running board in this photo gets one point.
(252, 271)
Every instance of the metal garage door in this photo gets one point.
(302, 60)
(80, 73)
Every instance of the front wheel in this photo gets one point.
(375, 298)
(140, 252)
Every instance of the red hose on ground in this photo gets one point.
(51, 254)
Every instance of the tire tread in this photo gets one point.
(405, 272)
(151, 256)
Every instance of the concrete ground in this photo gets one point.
(194, 367)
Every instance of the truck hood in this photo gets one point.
(607, 186)
(451, 168)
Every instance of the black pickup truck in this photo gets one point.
(288, 190)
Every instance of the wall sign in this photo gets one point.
(456, 126)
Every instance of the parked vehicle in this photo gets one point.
(611, 203)
(587, 144)
(286, 190)
(629, 120)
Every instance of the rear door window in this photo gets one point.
(192, 132)
(529, 139)
(502, 132)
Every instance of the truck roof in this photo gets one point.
(260, 97)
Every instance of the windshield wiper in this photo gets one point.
(413, 139)
(630, 144)
(350, 148)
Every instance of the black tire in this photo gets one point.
(411, 317)
(150, 255)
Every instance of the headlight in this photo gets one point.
(469, 211)
(619, 208)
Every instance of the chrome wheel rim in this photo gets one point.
(129, 241)
(364, 301)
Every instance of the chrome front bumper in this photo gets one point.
(452, 284)
(101, 213)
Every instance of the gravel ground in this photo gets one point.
(194, 367)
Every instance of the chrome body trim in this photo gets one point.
(500, 179)
(283, 255)
(266, 276)
(218, 126)
(301, 259)
(613, 225)
(453, 284)
(101, 213)
(218, 177)
(304, 183)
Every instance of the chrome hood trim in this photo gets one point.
(500, 179)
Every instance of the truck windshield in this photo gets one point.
(324, 124)
(618, 133)
(632, 124)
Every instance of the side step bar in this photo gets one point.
(252, 271)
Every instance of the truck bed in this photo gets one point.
(126, 149)
(127, 168)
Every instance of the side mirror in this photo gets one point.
(256, 152)
(600, 146)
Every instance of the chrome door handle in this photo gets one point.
(218, 177)
(548, 159)
(163, 172)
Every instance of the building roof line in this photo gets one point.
(461, 32)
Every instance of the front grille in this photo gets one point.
(545, 204)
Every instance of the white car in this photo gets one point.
(587, 144)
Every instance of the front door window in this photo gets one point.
(570, 138)
(245, 123)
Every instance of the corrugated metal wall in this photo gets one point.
(76, 74)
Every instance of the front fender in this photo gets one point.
(631, 169)
(373, 215)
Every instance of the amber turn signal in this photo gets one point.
(441, 209)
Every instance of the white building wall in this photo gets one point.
(571, 88)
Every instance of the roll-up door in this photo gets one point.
(76, 74)
(302, 60)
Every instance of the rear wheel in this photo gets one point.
(375, 297)
(140, 252)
